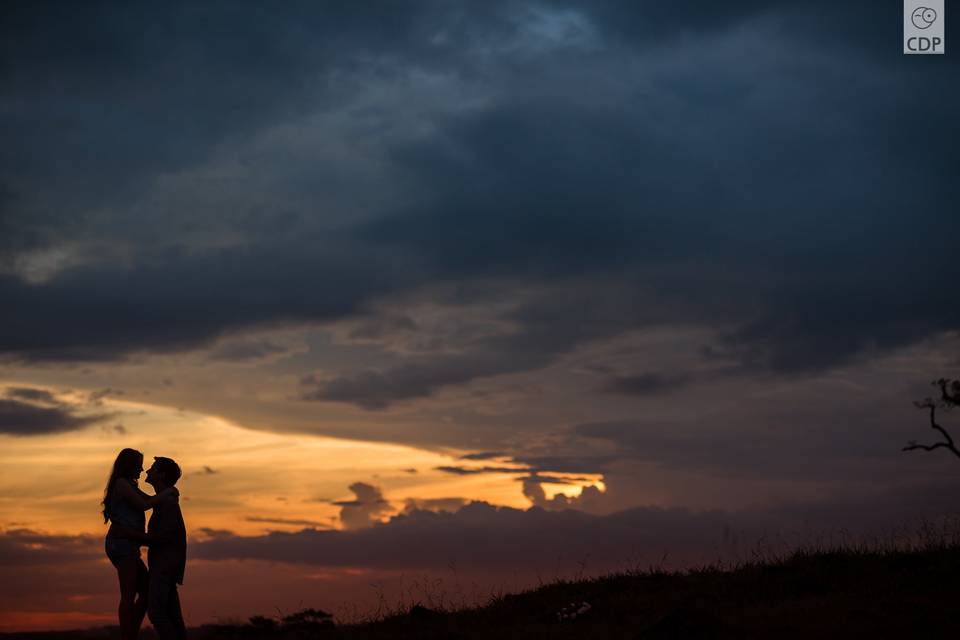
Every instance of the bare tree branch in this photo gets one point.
(947, 398)
(914, 445)
(929, 403)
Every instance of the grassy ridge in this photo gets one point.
(844, 593)
(841, 594)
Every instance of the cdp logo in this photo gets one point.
(924, 29)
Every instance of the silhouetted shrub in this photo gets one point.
(263, 625)
(307, 622)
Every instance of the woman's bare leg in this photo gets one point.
(140, 608)
(131, 572)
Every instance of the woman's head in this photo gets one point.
(129, 465)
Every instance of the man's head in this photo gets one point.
(164, 473)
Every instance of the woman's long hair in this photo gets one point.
(127, 465)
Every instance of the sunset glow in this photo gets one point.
(235, 479)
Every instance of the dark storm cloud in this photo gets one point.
(747, 164)
(832, 438)
(180, 304)
(106, 95)
(568, 463)
(480, 535)
(646, 384)
(467, 471)
(548, 479)
(207, 532)
(379, 389)
(533, 490)
(26, 419)
(483, 455)
(537, 465)
(546, 325)
(856, 24)
(381, 325)
(33, 395)
(815, 245)
(366, 509)
(23, 547)
(287, 521)
(245, 350)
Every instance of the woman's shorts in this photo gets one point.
(121, 548)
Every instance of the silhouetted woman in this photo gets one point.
(123, 506)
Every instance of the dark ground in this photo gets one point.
(810, 594)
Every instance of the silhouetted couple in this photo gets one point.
(142, 591)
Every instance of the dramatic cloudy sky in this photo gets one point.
(490, 291)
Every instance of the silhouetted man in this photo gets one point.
(167, 554)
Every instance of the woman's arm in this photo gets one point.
(139, 499)
(118, 530)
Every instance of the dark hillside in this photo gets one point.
(822, 594)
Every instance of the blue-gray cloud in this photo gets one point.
(745, 165)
